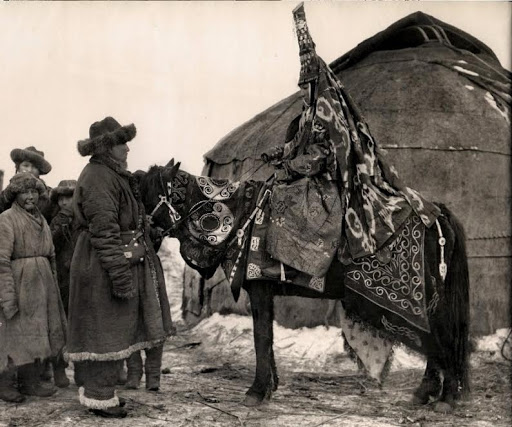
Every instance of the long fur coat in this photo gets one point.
(32, 319)
(115, 308)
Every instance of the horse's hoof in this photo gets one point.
(443, 408)
(251, 401)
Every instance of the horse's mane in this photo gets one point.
(150, 182)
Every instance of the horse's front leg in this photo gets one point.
(262, 306)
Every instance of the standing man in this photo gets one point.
(115, 303)
(61, 227)
(32, 319)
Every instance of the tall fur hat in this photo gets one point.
(104, 135)
(33, 155)
(65, 188)
(21, 182)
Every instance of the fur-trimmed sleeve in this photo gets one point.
(100, 204)
(8, 298)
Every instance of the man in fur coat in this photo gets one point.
(116, 302)
(32, 319)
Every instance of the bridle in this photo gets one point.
(164, 200)
(176, 218)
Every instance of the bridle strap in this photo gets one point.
(164, 200)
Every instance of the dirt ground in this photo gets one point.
(208, 369)
(204, 387)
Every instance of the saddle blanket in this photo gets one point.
(394, 278)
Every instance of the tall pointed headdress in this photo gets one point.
(309, 61)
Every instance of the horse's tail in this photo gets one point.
(457, 302)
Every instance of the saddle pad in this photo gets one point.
(394, 278)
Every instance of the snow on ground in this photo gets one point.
(308, 348)
(311, 348)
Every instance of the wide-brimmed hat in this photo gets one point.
(65, 188)
(21, 182)
(104, 135)
(33, 155)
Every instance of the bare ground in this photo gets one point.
(205, 387)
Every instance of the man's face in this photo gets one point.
(28, 199)
(27, 166)
(120, 153)
(65, 202)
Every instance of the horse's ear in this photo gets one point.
(170, 164)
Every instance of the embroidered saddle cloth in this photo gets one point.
(394, 278)
(213, 210)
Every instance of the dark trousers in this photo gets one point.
(151, 367)
(99, 383)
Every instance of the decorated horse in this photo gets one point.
(334, 222)
(213, 218)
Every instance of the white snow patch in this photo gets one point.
(173, 266)
(469, 87)
(305, 348)
(492, 342)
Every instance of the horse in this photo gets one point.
(445, 345)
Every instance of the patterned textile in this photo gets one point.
(394, 277)
(213, 211)
(370, 345)
(262, 266)
(305, 224)
(374, 201)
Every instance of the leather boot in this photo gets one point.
(29, 379)
(8, 390)
(114, 412)
(134, 364)
(78, 373)
(59, 373)
(152, 367)
(45, 370)
(121, 376)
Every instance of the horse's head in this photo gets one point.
(156, 192)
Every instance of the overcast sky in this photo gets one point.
(186, 73)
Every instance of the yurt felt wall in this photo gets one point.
(438, 101)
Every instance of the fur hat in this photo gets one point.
(104, 135)
(65, 188)
(21, 182)
(33, 155)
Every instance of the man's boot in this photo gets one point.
(45, 370)
(78, 373)
(8, 390)
(121, 377)
(114, 412)
(153, 367)
(60, 378)
(29, 379)
(134, 364)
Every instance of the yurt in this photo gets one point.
(438, 101)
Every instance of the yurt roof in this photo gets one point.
(417, 37)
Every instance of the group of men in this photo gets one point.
(111, 281)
